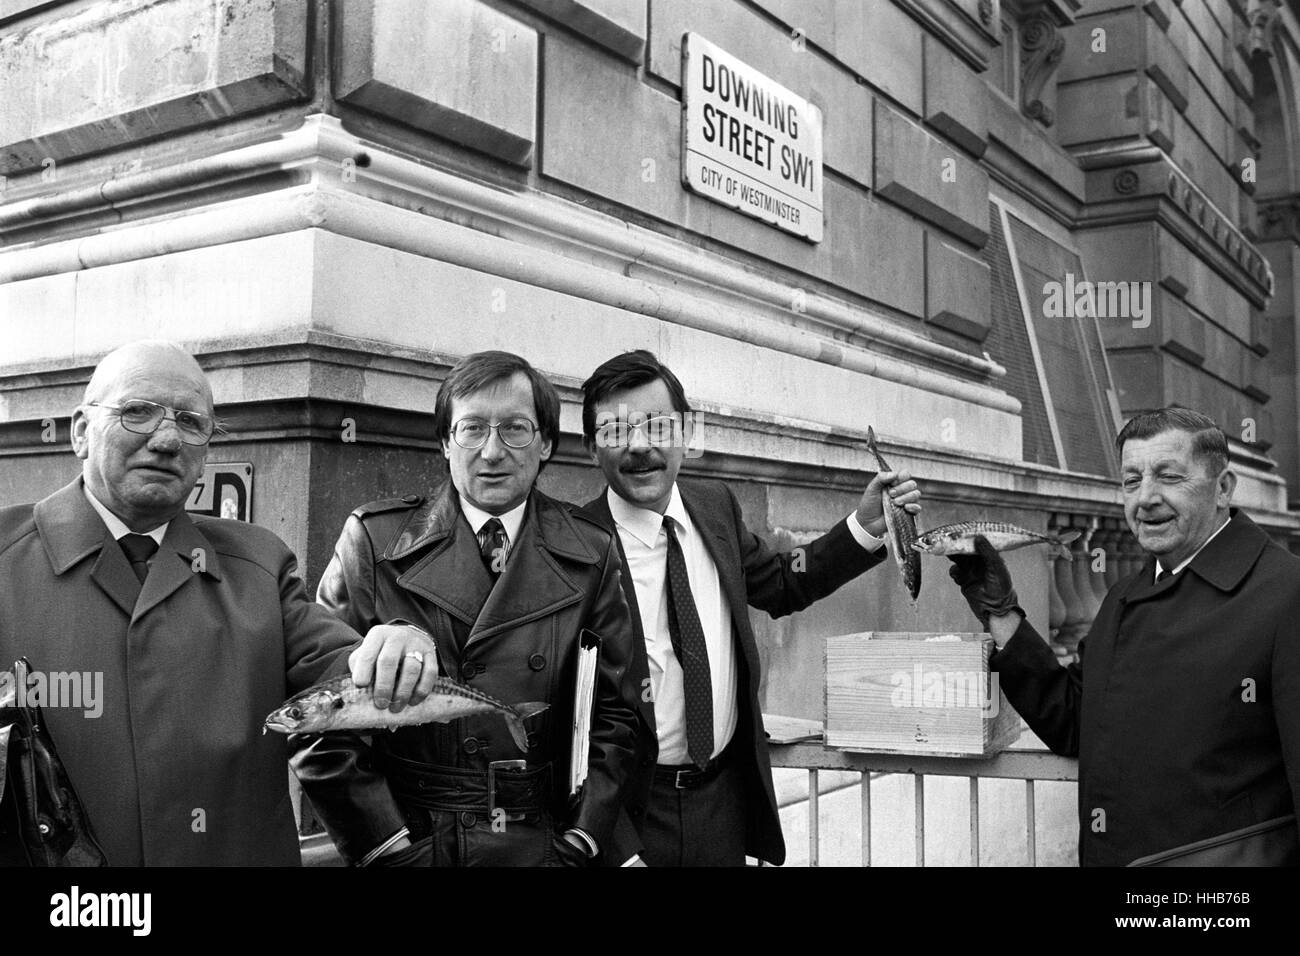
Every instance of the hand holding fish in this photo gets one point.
(903, 491)
(402, 662)
(985, 582)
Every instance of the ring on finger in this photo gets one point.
(415, 656)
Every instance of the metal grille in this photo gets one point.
(1070, 348)
(1008, 342)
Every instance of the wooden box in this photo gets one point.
(895, 692)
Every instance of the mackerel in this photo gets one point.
(900, 528)
(339, 704)
(960, 538)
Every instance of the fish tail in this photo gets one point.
(1059, 545)
(515, 718)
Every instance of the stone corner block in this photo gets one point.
(458, 69)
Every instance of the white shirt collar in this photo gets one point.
(116, 526)
(1188, 560)
(512, 520)
(644, 524)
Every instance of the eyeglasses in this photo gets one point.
(660, 430)
(143, 418)
(473, 432)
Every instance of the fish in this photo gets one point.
(960, 538)
(900, 528)
(339, 704)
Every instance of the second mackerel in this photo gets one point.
(900, 528)
(960, 538)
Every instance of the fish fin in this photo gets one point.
(1068, 536)
(515, 721)
(1061, 551)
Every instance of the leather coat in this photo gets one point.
(417, 560)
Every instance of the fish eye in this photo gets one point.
(338, 703)
(295, 713)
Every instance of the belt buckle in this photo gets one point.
(677, 780)
(493, 766)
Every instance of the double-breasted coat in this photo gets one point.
(417, 560)
(175, 769)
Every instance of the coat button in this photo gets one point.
(470, 745)
(537, 662)
(468, 670)
(467, 820)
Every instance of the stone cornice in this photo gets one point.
(971, 38)
(359, 189)
(1139, 183)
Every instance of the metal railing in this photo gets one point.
(1016, 764)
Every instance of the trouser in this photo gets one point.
(696, 825)
(511, 825)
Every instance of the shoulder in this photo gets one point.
(583, 519)
(387, 505)
(245, 541)
(16, 523)
(709, 490)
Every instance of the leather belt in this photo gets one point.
(507, 784)
(688, 776)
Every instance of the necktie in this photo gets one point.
(687, 635)
(492, 546)
(1164, 573)
(139, 548)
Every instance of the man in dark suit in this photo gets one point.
(1186, 721)
(194, 627)
(507, 580)
(702, 794)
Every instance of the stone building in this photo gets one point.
(1034, 218)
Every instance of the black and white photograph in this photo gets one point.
(645, 434)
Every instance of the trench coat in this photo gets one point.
(752, 575)
(175, 770)
(1184, 705)
(417, 560)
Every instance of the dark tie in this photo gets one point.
(492, 546)
(688, 644)
(1164, 573)
(139, 548)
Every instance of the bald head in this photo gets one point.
(142, 478)
(148, 359)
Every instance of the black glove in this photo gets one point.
(419, 853)
(984, 581)
(566, 854)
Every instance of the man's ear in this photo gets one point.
(446, 448)
(1226, 486)
(590, 445)
(546, 450)
(80, 427)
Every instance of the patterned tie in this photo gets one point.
(688, 644)
(139, 548)
(492, 546)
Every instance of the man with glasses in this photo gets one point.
(192, 628)
(508, 581)
(692, 569)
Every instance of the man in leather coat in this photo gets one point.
(506, 579)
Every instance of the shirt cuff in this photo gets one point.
(592, 849)
(862, 536)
